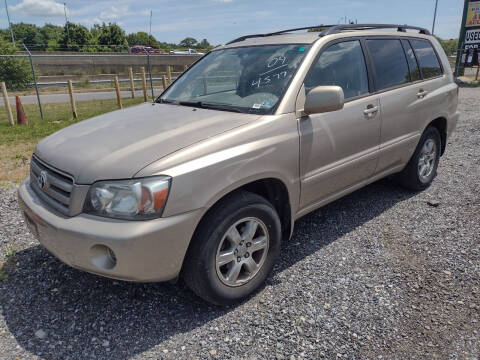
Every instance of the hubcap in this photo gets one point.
(426, 161)
(242, 251)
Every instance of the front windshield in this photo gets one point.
(245, 79)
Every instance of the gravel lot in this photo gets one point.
(383, 273)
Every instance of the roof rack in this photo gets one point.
(402, 28)
(335, 29)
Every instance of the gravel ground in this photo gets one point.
(382, 273)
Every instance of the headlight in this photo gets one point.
(136, 199)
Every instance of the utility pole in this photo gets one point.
(434, 17)
(9, 24)
(66, 23)
(150, 33)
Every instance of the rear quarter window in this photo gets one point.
(389, 62)
(427, 59)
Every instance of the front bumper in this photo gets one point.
(144, 251)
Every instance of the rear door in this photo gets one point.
(398, 83)
(339, 149)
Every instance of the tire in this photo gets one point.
(414, 176)
(242, 213)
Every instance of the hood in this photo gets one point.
(119, 144)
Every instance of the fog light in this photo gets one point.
(103, 257)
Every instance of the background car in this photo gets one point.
(186, 52)
(140, 49)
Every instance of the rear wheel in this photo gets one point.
(422, 167)
(234, 249)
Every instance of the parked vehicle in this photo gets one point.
(186, 52)
(140, 49)
(208, 180)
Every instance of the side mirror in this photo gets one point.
(323, 99)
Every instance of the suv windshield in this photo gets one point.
(245, 79)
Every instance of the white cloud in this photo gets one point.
(41, 8)
(115, 12)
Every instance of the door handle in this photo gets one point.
(422, 93)
(370, 111)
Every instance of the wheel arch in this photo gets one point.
(272, 189)
(440, 123)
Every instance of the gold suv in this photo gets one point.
(205, 182)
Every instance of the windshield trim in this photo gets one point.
(273, 109)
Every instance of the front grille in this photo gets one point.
(51, 185)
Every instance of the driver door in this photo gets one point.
(339, 149)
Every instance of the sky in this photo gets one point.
(222, 20)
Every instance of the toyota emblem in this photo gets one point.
(42, 180)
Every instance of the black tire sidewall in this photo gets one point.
(213, 233)
(410, 177)
(430, 133)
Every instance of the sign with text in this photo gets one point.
(472, 36)
(473, 15)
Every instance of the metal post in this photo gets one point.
(34, 80)
(10, 24)
(66, 23)
(434, 17)
(461, 40)
(150, 74)
(150, 33)
(457, 62)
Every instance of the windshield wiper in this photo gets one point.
(205, 105)
(165, 101)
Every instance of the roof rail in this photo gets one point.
(335, 29)
(241, 38)
(402, 28)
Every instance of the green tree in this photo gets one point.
(188, 42)
(5, 34)
(141, 38)
(15, 72)
(78, 38)
(51, 36)
(113, 36)
(204, 44)
(317, 29)
(449, 46)
(29, 35)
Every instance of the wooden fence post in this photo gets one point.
(72, 99)
(132, 85)
(117, 89)
(164, 82)
(169, 74)
(7, 104)
(144, 84)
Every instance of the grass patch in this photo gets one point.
(3, 274)
(17, 142)
(12, 252)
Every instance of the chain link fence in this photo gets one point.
(73, 87)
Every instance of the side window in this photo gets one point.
(389, 62)
(427, 59)
(412, 61)
(341, 64)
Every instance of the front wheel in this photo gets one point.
(422, 167)
(234, 249)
